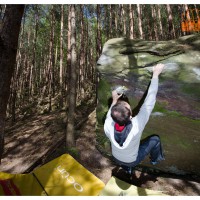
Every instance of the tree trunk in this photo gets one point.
(27, 67)
(160, 23)
(68, 51)
(9, 34)
(187, 12)
(70, 142)
(149, 25)
(50, 72)
(140, 21)
(196, 10)
(107, 21)
(170, 22)
(86, 49)
(116, 20)
(53, 51)
(33, 64)
(61, 56)
(124, 20)
(131, 21)
(98, 37)
(82, 64)
(110, 24)
(2, 9)
(153, 12)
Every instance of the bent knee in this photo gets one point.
(155, 138)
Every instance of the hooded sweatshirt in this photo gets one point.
(121, 132)
(128, 151)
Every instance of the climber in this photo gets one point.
(125, 131)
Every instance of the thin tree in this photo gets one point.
(110, 24)
(68, 49)
(53, 50)
(148, 23)
(131, 15)
(153, 12)
(187, 12)
(9, 33)
(171, 33)
(107, 22)
(33, 60)
(61, 56)
(140, 21)
(123, 17)
(160, 22)
(98, 37)
(82, 52)
(27, 67)
(70, 142)
(116, 19)
(197, 11)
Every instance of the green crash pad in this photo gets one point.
(116, 187)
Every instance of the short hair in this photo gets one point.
(120, 113)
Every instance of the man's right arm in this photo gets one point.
(109, 119)
(115, 98)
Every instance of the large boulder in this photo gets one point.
(176, 116)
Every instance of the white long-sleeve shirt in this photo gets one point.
(129, 151)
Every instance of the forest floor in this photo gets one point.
(88, 155)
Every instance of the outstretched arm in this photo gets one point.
(148, 105)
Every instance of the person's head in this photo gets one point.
(121, 113)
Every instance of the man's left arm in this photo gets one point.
(148, 105)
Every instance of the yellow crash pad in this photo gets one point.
(62, 176)
(65, 176)
(116, 187)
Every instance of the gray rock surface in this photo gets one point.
(176, 116)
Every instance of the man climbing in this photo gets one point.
(125, 131)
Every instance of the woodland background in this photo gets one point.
(57, 50)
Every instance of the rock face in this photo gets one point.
(176, 116)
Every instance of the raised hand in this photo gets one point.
(115, 96)
(158, 69)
